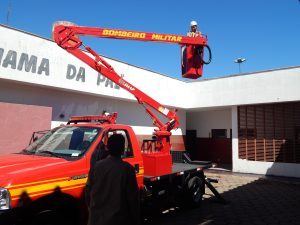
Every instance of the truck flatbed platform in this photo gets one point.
(180, 169)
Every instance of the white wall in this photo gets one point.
(204, 121)
(263, 87)
(72, 103)
(54, 67)
(34, 70)
(235, 140)
(267, 168)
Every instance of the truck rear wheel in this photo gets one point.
(194, 192)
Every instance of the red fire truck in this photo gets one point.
(44, 183)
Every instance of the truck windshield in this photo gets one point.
(64, 141)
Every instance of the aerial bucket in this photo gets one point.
(192, 60)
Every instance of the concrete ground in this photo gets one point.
(251, 200)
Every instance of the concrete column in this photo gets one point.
(235, 147)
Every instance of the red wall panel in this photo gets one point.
(18, 122)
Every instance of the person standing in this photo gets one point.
(112, 189)
(193, 31)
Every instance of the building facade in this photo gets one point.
(250, 121)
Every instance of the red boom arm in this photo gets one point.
(125, 34)
(67, 37)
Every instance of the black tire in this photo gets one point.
(194, 192)
(47, 217)
(57, 209)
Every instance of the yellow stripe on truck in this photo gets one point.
(48, 186)
(37, 182)
(32, 190)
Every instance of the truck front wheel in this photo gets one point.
(55, 209)
(46, 217)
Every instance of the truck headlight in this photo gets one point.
(4, 199)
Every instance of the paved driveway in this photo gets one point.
(251, 200)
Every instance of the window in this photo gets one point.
(128, 153)
(219, 133)
(69, 141)
(270, 132)
(247, 133)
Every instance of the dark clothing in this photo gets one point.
(112, 193)
(100, 153)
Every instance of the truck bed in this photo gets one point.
(179, 169)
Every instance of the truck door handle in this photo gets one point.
(137, 168)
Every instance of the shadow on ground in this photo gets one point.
(251, 200)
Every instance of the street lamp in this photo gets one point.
(239, 61)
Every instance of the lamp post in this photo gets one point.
(239, 61)
(8, 12)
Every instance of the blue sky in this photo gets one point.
(265, 32)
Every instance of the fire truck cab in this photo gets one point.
(44, 183)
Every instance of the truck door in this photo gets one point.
(128, 154)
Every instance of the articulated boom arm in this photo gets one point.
(129, 35)
(67, 37)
